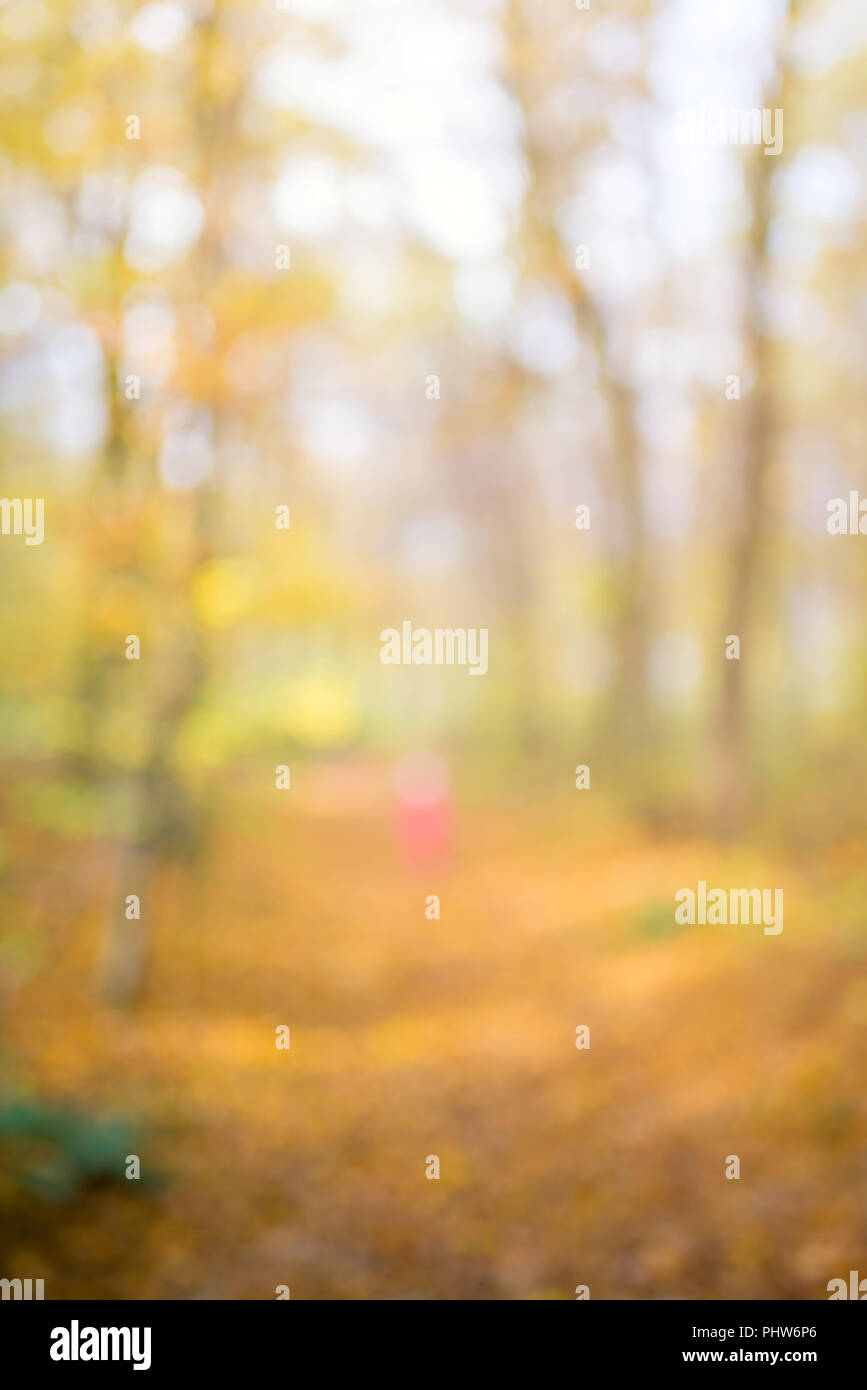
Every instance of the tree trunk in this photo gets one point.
(731, 773)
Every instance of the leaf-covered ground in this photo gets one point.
(455, 1037)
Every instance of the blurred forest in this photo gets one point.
(432, 277)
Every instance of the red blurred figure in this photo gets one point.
(425, 810)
